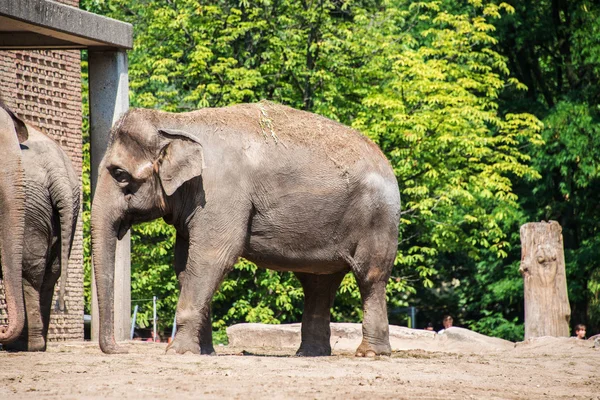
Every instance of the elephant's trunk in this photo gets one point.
(65, 199)
(106, 221)
(12, 225)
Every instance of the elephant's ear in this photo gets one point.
(181, 159)
(20, 126)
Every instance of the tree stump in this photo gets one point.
(547, 310)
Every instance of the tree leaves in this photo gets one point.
(422, 79)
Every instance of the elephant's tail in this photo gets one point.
(64, 192)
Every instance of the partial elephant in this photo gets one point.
(12, 221)
(50, 215)
(286, 189)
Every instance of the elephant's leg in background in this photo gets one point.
(206, 339)
(372, 269)
(51, 276)
(181, 259)
(35, 327)
(319, 294)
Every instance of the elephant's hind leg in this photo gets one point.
(35, 325)
(319, 294)
(47, 292)
(376, 336)
(31, 338)
(372, 270)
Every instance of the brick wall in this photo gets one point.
(44, 87)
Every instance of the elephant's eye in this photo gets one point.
(120, 175)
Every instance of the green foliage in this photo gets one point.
(570, 163)
(424, 80)
(495, 324)
(554, 48)
(436, 117)
(152, 273)
(251, 295)
(86, 185)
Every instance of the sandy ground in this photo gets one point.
(548, 368)
(545, 369)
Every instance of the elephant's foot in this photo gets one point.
(182, 346)
(36, 344)
(367, 349)
(313, 350)
(109, 346)
(114, 349)
(17, 345)
(208, 351)
(33, 344)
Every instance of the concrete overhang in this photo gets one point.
(44, 24)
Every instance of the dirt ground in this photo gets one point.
(546, 369)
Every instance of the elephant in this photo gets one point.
(286, 189)
(51, 209)
(12, 223)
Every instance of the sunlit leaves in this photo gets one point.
(422, 79)
(436, 115)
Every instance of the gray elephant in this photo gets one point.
(50, 214)
(12, 222)
(286, 189)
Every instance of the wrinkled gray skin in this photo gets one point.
(50, 214)
(12, 205)
(286, 189)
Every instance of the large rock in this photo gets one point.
(263, 335)
(553, 344)
(461, 339)
(345, 337)
(596, 340)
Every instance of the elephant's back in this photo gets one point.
(38, 144)
(42, 149)
(282, 132)
(280, 129)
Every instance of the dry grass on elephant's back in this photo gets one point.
(279, 125)
(340, 142)
(286, 126)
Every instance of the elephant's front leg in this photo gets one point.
(205, 333)
(207, 260)
(206, 339)
(198, 282)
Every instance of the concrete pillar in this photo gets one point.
(109, 99)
